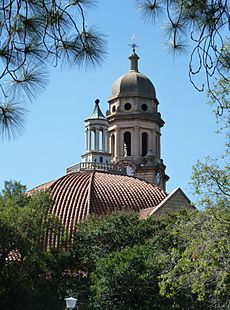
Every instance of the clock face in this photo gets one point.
(129, 171)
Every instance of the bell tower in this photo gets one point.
(135, 125)
(96, 137)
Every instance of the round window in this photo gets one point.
(144, 107)
(114, 108)
(127, 106)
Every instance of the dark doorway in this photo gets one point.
(144, 143)
(127, 144)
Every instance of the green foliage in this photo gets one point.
(175, 261)
(221, 92)
(211, 178)
(97, 237)
(127, 279)
(202, 268)
(179, 261)
(13, 193)
(27, 277)
(211, 182)
(121, 258)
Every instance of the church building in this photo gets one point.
(129, 136)
(121, 167)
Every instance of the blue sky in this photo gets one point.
(54, 135)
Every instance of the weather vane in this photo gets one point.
(133, 45)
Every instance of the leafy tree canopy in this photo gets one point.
(29, 277)
(200, 271)
(211, 177)
(175, 261)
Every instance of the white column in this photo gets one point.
(89, 139)
(86, 140)
(105, 140)
(96, 139)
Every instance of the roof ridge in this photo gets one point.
(90, 191)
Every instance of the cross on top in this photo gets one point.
(133, 45)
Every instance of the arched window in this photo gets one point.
(112, 145)
(101, 139)
(127, 144)
(144, 143)
(93, 139)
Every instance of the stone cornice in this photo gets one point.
(156, 117)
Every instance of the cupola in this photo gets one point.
(96, 137)
(133, 83)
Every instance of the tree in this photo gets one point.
(120, 258)
(202, 266)
(95, 239)
(128, 279)
(176, 261)
(33, 35)
(204, 24)
(37, 33)
(199, 271)
(211, 178)
(31, 275)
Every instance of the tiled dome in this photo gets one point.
(77, 195)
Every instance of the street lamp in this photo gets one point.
(70, 302)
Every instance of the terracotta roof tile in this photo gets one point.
(76, 195)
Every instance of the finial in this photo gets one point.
(97, 101)
(133, 58)
(133, 45)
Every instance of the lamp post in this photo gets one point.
(70, 302)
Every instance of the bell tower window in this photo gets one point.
(127, 144)
(93, 139)
(101, 138)
(112, 145)
(144, 143)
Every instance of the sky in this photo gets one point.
(54, 133)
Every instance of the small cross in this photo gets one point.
(133, 45)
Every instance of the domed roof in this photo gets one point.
(133, 83)
(80, 194)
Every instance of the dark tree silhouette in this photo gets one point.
(35, 33)
(205, 25)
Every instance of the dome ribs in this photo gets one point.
(70, 196)
(90, 196)
(134, 84)
(76, 195)
(83, 198)
(114, 193)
